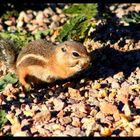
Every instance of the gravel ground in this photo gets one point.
(103, 101)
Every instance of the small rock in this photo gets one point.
(126, 109)
(74, 94)
(61, 114)
(22, 100)
(33, 130)
(112, 8)
(102, 93)
(53, 25)
(72, 131)
(54, 126)
(58, 133)
(6, 128)
(96, 86)
(48, 12)
(39, 18)
(137, 102)
(1, 27)
(100, 115)
(115, 85)
(79, 109)
(97, 134)
(62, 15)
(58, 104)
(105, 131)
(22, 15)
(58, 10)
(31, 27)
(89, 124)
(42, 116)
(1, 98)
(76, 122)
(20, 24)
(65, 120)
(43, 132)
(123, 133)
(55, 18)
(93, 112)
(28, 17)
(63, 20)
(119, 75)
(22, 95)
(108, 108)
(136, 132)
(8, 22)
(21, 133)
(122, 96)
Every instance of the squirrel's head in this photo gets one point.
(73, 56)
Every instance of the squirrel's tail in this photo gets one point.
(9, 53)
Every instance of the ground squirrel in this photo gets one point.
(42, 61)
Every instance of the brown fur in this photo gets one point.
(43, 61)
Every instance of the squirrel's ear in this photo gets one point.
(63, 49)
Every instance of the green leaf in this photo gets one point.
(79, 23)
(39, 34)
(70, 26)
(3, 118)
(9, 78)
(86, 9)
(132, 17)
(10, 13)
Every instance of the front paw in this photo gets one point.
(26, 88)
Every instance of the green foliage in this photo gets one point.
(132, 17)
(3, 118)
(8, 14)
(9, 78)
(43, 33)
(19, 37)
(69, 29)
(87, 9)
(80, 22)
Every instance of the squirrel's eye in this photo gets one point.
(75, 54)
(63, 49)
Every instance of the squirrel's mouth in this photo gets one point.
(81, 67)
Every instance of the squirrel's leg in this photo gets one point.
(22, 73)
